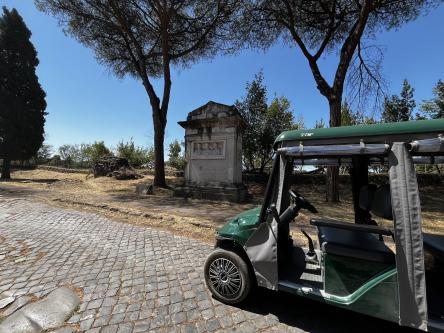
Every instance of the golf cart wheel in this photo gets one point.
(227, 276)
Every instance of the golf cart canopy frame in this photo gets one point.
(397, 144)
(426, 146)
(406, 131)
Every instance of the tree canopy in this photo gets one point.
(22, 99)
(321, 27)
(435, 107)
(144, 39)
(136, 155)
(175, 156)
(399, 108)
(348, 117)
(318, 27)
(83, 155)
(263, 123)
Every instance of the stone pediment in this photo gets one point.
(210, 114)
(213, 110)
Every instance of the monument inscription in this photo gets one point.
(208, 150)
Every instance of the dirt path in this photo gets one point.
(117, 200)
(194, 218)
(81, 189)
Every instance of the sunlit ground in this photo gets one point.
(74, 187)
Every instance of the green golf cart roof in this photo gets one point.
(405, 131)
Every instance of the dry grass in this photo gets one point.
(193, 218)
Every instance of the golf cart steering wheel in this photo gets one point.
(300, 202)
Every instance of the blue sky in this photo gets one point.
(87, 103)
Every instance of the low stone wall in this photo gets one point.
(168, 172)
(63, 170)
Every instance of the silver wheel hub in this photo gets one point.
(225, 277)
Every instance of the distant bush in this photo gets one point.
(137, 156)
(80, 156)
(176, 159)
(92, 152)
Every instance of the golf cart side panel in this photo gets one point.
(262, 247)
(345, 275)
(379, 298)
(406, 208)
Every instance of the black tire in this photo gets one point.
(225, 288)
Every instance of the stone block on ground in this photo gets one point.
(107, 164)
(145, 189)
(124, 174)
(4, 302)
(17, 304)
(45, 314)
(63, 330)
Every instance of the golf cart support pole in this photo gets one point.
(335, 150)
(427, 146)
(406, 208)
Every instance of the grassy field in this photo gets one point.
(194, 218)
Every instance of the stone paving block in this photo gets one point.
(64, 330)
(6, 301)
(17, 304)
(125, 328)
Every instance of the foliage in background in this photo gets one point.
(145, 39)
(350, 117)
(320, 123)
(68, 154)
(262, 124)
(44, 154)
(92, 152)
(175, 158)
(136, 155)
(80, 156)
(399, 108)
(22, 99)
(435, 107)
(319, 28)
(252, 108)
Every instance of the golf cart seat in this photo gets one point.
(353, 243)
(359, 240)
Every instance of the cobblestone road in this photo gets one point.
(136, 279)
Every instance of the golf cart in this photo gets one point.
(353, 266)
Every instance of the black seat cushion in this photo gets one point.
(355, 244)
(435, 244)
(366, 194)
(382, 202)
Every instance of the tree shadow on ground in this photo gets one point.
(15, 192)
(219, 212)
(29, 180)
(312, 316)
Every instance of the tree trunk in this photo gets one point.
(263, 163)
(6, 169)
(159, 162)
(332, 183)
